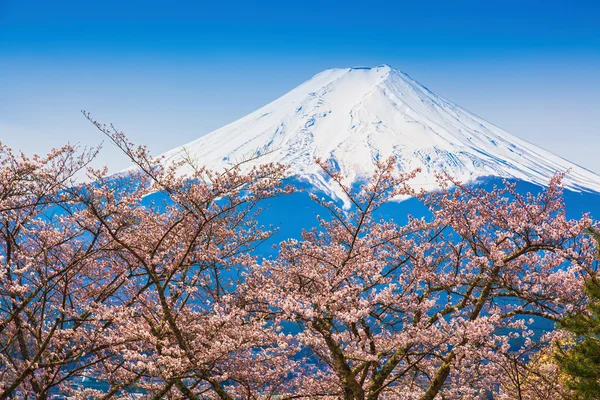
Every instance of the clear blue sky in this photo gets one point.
(168, 72)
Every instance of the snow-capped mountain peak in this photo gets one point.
(353, 116)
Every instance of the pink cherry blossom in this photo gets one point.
(147, 282)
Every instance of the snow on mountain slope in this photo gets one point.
(354, 116)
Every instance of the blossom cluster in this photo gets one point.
(147, 283)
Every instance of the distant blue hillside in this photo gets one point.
(293, 213)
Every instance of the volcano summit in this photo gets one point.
(354, 116)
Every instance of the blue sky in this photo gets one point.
(169, 72)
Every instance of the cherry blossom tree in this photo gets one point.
(177, 325)
(147, 282)
(432, 309)
(101, 281)
(45, 256)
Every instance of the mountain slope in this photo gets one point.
(354, 116)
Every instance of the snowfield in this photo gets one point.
(354, 116)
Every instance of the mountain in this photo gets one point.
(353, 116)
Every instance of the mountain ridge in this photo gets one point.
(354, 116)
